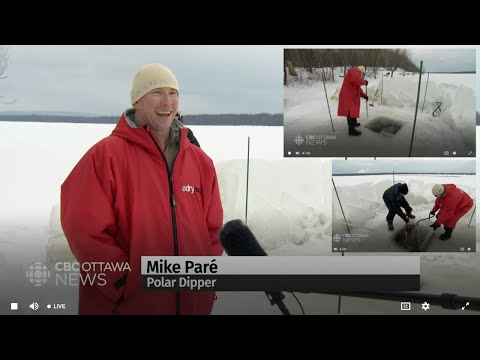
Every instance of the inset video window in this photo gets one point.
(408, 205)
(379, 102)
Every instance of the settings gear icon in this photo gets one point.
(425, 306)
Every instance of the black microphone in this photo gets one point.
(238, 240)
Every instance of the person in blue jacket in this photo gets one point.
(394, 198)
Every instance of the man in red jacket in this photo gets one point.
(145, 190)
(453, 204)
(349, 98)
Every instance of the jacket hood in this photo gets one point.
(140, 136)
(448, 187)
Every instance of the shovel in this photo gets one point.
(366, 102)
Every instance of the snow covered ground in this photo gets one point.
(391, 108)
(289, 201)
(290, 212)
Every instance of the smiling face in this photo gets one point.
(157, 108)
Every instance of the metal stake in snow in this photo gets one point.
(425, 96)
(340, 203)
(366, 102)
(326, 97)
(475, 208)
(381, 94)
(339, 308)
(416, 108)
(246, 193)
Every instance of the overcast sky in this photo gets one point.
(97, 79)
(445, 60)
(422, 166)
(212, 79)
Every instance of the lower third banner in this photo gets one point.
(281, 273)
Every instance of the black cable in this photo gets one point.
(298, 301)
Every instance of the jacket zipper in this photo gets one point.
(172, 208)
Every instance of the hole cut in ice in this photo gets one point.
(385, 125)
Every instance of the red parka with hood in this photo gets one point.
(453, 204)
(120, 203)
(350, 94)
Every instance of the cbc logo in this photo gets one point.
(38, 274)
(299, 140)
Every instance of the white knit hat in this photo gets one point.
(437, 189)
(149, 77)
(362, 69)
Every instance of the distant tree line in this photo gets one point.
(329, 59)
(404, 173)
(262, 119)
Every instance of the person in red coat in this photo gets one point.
(145, 190)
(349, 97)
(453, 204)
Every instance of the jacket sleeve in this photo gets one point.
(398, 211)
(447, 211)
(214, 217)
(88, 219)
(436, 206)
(362, 94)
(404, 203)
(396, 203)
(356, 79)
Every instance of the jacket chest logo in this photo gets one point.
(190, 189)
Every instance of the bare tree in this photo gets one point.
(332, 62)
(3, 68)
(330, 59)
(375, 60)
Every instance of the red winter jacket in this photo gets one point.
(350, 94)
(453, 205)
(116, 207)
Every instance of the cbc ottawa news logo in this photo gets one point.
(69, 274)
(313, 139)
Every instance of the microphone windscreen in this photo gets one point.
(237, 240)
